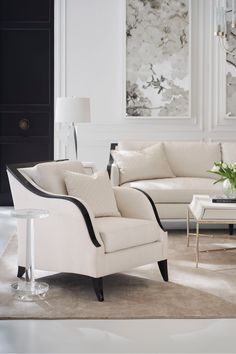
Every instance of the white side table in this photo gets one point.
(29, 289)
(204, 211)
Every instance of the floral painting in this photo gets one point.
(157, 58)
(230, 66)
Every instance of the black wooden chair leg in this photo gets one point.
(231, 229)
(98, 288)
(20, 272)
(163, 269)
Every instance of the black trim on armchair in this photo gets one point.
(13, 169)
(111, 160)
(153, 207)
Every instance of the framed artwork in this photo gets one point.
(230, 65)
(157, 59)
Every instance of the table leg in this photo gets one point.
(29, 250)
(197, 244)
(231, 229)
(188, 227)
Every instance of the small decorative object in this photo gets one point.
(227, 173)
(225, 23)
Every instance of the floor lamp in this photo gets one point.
(73, 110)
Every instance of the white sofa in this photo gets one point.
(189, 162)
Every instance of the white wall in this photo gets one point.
(89, 46)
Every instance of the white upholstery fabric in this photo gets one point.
(133, 204)
(229, 152)
(148, 163)
(115, 175)
(65, 236)
(95, 190)
(123, 233)
(50, 175)
(186, 159)
(177, 190)
(192, 159)
(172, 211)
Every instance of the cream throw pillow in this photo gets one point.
(95, 190)
(148, 163)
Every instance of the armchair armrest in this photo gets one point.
(36, 197)
(134, 203)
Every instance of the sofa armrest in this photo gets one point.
(133, 203)
(115, 175)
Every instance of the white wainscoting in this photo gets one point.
(89, 61)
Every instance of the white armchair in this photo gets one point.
(72, 240)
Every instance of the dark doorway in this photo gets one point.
(26, 84)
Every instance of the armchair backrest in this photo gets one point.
(49, 176)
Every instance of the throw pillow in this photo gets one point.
(95, 190)
(148, 163)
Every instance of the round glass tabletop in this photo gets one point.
(25, 214)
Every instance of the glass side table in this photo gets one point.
(29, 289)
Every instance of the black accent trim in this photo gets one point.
(153, 207)
(163, 266)
(111, 160)
(231, 229)
(20, 271)
(13, 169)
(98, 288)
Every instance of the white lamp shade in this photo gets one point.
(72, 110)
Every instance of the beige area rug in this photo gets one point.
(206, 292)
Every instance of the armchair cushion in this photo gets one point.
(148, 163)
(122, 233)
(95, 190)
(50, 175)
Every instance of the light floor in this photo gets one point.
(113, 336)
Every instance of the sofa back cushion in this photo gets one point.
(186, 159)
(229, 152)
(193, 159)
(147, 163)
(50, 175)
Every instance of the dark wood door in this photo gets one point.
(26, 84)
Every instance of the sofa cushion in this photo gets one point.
(148, 163)
(229, 152)
(186, 159)
(193, 159)
(50, 175)
(177, 190)
(95, 190)
(121, 233)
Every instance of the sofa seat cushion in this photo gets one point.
(121, 233)
(176, 190)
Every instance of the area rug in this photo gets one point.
(206, 292)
